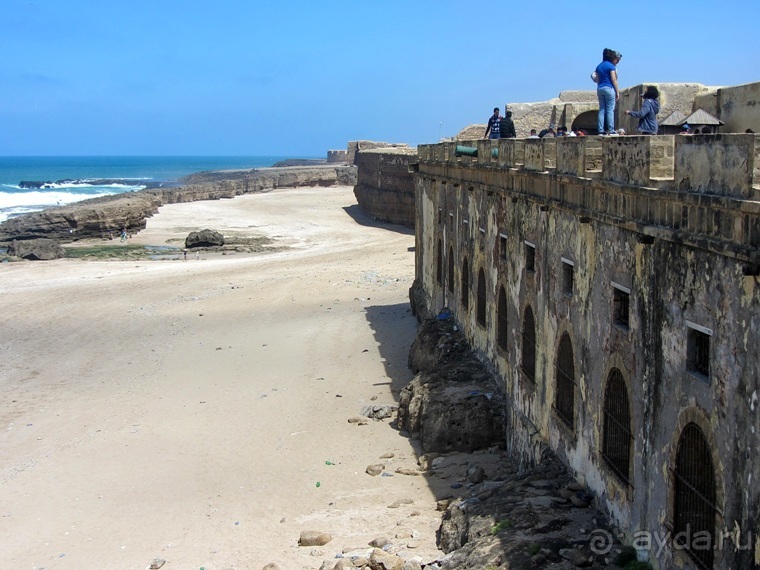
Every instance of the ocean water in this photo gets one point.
(92, 176)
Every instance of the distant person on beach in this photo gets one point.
(507, 129)
(647, 116)
(494, 126)
(607, 90)
(124, 233)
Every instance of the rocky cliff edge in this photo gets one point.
(105, 216)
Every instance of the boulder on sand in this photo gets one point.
(36, 249)
(204, 238)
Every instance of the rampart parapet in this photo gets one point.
(705, 188)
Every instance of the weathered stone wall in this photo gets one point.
(736, 106)
(680, 240)
(334, 156)
(385, 187)
(673, 97)
(354, 147)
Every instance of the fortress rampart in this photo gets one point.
(385, 189)
(612, 285)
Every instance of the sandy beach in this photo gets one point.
(196, 411)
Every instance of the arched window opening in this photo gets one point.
(617, 438)
(465, 284)
(529, 345)
(481, 312)
(694, 505)
(501, 318)
(564, 396)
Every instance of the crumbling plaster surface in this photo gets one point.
(669, 282)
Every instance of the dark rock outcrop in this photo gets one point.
(497, 516)
(105, 216)
(526, 521)
(36, 249)
(419, 301)
(98, 217)
(453, 404)
(204, 238)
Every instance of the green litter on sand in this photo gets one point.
(318, 483)
(329, 463)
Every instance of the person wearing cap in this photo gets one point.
(494, 125)
(684, 129)
(607, 90)
(647, 117)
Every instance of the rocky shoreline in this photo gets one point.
(105, 216)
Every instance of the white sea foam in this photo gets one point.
(16, 203)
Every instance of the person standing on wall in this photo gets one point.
(607, 90)
(494, 125)
(647, 117)
(507, 130)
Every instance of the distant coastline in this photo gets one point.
(35, 183)
(101, 216)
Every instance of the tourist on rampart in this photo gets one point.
(507, 126)
(533, 134)
(494, 125)
(647, 117)
(607, 90)
(547, 132)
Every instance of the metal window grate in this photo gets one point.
(621, 302)
(481, 312)
(567, 278)
(501, 317)
(616, 444)
(698, 352)
(530, 258)
(465, 298)
(694, 506)
(451, 270)
(529, 345)
(564, 399)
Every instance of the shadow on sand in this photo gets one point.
(363, 219)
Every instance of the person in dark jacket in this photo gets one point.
(650, 106)
(494, 125)
(507, 130)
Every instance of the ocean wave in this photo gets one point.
(51, 198)
(22, 202)
(80, 185)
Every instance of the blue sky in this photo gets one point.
(283, 77)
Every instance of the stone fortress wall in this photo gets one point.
(612, 285)
(385, 189)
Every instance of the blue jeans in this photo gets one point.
(606, 96)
